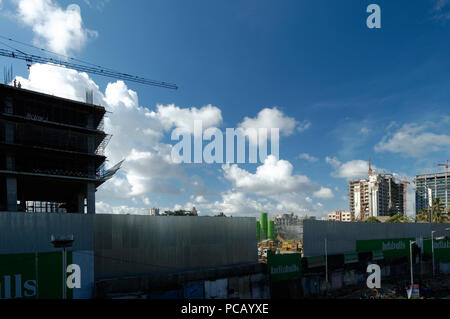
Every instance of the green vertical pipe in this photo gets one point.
(271, 230)
(264, 226)
(258, 231)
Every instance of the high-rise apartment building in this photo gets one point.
(436, 184)
(378, 195)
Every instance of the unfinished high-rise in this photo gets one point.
(51, 152)
(378, 195)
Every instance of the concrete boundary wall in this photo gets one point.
(342, 236)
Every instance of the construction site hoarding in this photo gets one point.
(395, 247)
(441, 249)
(350, 258)
(284, 266)
(130, 245)
(40, 275)
(342, 236)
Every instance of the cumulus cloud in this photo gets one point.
(324, 193)
(273, 177)
(350, 170)
(172, 116)
(105, 208)
(308, 157)
(59, 30)
(60, 82)
(274, 118)
(238, 203)
(414, 141)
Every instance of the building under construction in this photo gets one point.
(379, 195)
(51, 152)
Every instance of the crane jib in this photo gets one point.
(92, 70)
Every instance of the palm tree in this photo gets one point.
(423, 216)
(439, 213)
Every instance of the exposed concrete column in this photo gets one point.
(90, 121)
(90, 194)
(90, 146)
(9, 133)
(91, 169)
(80, 203)
(10, 162)
(11, 194)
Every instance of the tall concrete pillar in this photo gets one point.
(90, 121)
(10, 162)
(9, 133)
(90, 146)
(91, 169)
(80, 203)
(90, 194)
(11, 194)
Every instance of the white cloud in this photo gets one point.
(105, 208)
(238, 203)
(414, 141)
(200, 199)
(271, 118)
(355, 169)
(308, 157)
(273, 177)
(172, 116)
(57, 29)
(61, 82)
(324, 193)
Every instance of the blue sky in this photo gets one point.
(379, 93)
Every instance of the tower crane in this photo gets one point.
(91, 68)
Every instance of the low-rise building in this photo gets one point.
(340, 215)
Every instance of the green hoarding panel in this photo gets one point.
(394, 247)
(441, 249)
(17, 276)
(315, 261)
(377, 255)
(284, 266)
(350, 258)
(33, 276)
